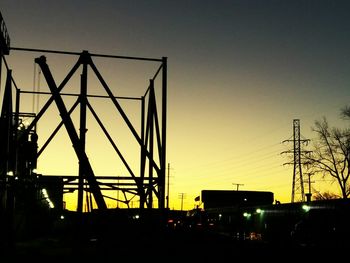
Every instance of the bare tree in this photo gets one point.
(330, 156)
(325, 196)
(345, 112)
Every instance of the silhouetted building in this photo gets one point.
(229, 198)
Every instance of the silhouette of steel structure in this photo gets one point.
(148, 184)
(298, 182)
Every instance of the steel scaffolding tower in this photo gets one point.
(150, 182)
(29, 201)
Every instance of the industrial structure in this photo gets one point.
(23, 190)
(213, 199)
(32, 203)
(298, 192)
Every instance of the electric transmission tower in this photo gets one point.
(298, 183)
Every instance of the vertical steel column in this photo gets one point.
(16, 124)
(6, 161)
(7, 128)
(142, 148)
(168, 184)
(82, 98)
(151, 132)
(164, 124)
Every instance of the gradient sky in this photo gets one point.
(239, 73)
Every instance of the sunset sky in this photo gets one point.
(239, 72)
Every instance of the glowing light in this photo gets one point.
(10, 173)
(51, 205)
(44, 192)
(306, 208)
(136, 216)
(46, 197)
(259, 211)
(246, 215)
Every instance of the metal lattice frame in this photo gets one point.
(151, 139)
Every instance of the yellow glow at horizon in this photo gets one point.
(208, 147)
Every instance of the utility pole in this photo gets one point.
(182, 196)
(309, 194)
(118, 195)
(168, 182)
(237, 185)
(297, 184)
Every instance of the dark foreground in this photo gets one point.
(115, 236)
(173, 246)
